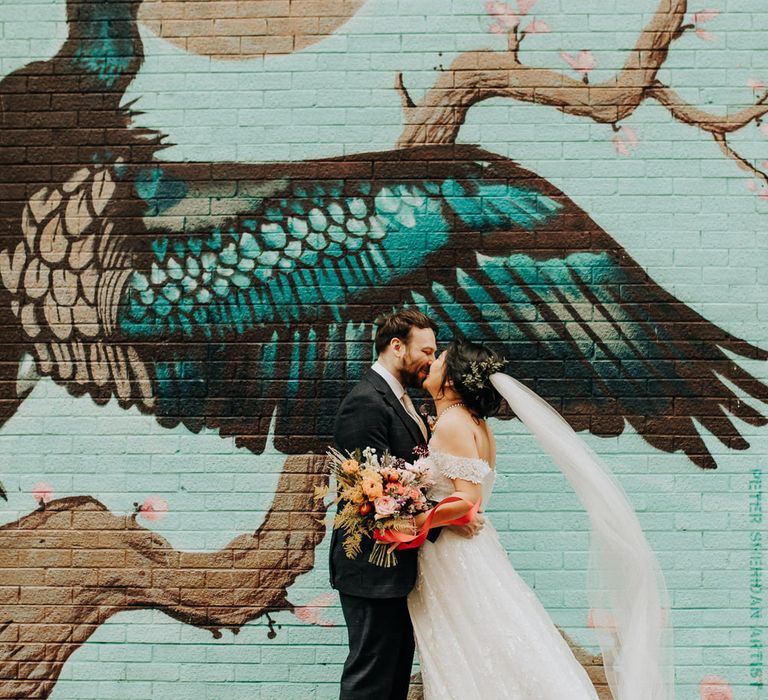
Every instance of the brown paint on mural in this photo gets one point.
(66, 569)
(79, 243)
(251, 28)
(475, 76)
(72, 230)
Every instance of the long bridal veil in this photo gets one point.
(626, 589)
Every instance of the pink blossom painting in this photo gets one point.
(153, 508)
(715, 688)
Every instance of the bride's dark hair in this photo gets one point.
(466, 365)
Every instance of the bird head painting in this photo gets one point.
(240, 297)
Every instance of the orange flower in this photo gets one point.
(355, 495)
(371, 484)
(397, 488)
(350, 466)
(390, 474)
(394, 488)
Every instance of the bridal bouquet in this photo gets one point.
(379, 495)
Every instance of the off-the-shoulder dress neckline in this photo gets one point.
(437, 450)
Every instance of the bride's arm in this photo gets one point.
(466, 490)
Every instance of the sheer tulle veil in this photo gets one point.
(626, 589)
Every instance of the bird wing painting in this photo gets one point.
(223, 294)
(265, 311)
(241, 297)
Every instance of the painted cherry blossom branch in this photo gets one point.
(70, 565)
(475, 76)
(718, 126)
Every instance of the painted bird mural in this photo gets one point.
(241, 297)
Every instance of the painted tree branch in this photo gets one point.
(712, 123)
(718, 126)
(475, 76)
(742, 162)
(66, 569)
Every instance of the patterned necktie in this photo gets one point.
(411, 410)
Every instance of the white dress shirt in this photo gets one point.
(397, 388)
(399, 391)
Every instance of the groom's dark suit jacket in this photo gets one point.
(372, 416)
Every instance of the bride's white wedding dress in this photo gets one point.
(481, 632)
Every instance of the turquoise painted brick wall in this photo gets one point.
(677, 205)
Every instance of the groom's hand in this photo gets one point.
(470, 529)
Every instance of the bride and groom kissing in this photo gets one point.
(481, 632)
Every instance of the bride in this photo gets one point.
(480, 631)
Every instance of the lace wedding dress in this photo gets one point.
(481, 632)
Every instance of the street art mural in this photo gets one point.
(238, 297)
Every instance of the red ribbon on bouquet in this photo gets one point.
(405, 541)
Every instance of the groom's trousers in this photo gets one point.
(381, 648)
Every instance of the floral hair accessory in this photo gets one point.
(477, 378)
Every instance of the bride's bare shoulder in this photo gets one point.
(463, 435)
(456, 434)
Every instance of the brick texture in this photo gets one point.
(181, 314)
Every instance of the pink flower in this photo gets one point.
(715, 688)
(704, 35)
(705, 15)
(582, 63)
(310, 613)
(153, 508)
(760, 190)
(625, 141)
(385, 506)
(525, 6)
(42, 492)
(537, 27)
(505, 18)
(631, 136)
(620, 146)
(755, 84)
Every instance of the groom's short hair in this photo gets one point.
(398, 324)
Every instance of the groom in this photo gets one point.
(378, 413)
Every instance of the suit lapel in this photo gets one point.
(382, 387)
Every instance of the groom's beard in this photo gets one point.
(414, 380)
